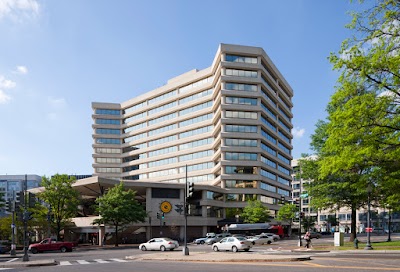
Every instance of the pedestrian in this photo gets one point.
(307, 238)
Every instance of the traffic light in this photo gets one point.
(31, 200)
(7, 206)
(301, 214)
(163, 215)
(19, 197)
(190, 190)
(158, 215)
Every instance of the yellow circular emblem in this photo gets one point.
(165, 207)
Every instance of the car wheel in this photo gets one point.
(275, 239)
(269, 242)
(34, 250)
(162, 248)
(143, 248)
(215, 248)
(247, 249)
(171, 249)
(202, 242)
(234, 249)
(63, 249)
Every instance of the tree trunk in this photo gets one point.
(116, 235)
(58, 230)
(353, 227)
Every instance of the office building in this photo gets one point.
(226, 128)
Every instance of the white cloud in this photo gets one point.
(22, 69)
(298, 132)
(57, 103)
(6, 83)
(19, 9)
(4, 98)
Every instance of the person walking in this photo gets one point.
(307, 237)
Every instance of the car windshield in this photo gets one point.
(240, 238)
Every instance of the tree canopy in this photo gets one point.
(118, 207)
(62, 198)
(255, 212)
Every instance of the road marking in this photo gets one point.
(65, 263)
(119, 260)
(101, 261)
(82, 262)
(12, 260)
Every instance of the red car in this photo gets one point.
(49, 244)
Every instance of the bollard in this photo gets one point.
(355, 243)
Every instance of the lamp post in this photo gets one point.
(300, 211)
(368, 245)
(389, 225)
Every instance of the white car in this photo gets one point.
(159, 244)
(232, 243)
(202, 241)
(275, 237)
(260, 239)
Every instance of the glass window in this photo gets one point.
(196, 155)
(241, 184)
(107, 141)
(240, 197)
(108, 112)
(163, 118)
(196, 108)
(197, 167)
(108, 131)
(270, 113)
(242, 59)
(108, 170)
(196, 120)
(195, 132)
(268, 162)
(240, 170)
(163, 140)
(240, 142)
(135, 127)
(196, 84)
(102, 150)
(241, 114)
(135, 107)
(108, 160)
(196, 143)
(163, 107)
(267, 174)
(107, 121)
(268, 136)
(269, 124)
(267, 187)
(135, 117)
(283, 170)
(162, 97)
(241, 73)
(268, 149)
(215, 196)
(195, 96)
(162, 151)
(241, 156)
(239, 128)
(162, 130)
(241, 100)
(241, 87)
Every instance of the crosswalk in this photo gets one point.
(94, 261)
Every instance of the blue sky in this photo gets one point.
(57, 57)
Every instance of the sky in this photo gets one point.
(57, 57)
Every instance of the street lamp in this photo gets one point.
(368, 245)
(389, 225)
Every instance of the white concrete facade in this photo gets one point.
(229, 123)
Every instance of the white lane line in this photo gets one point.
(65, 263)
(101, 261)
(119, 260)
(82, 262)
(12, 260)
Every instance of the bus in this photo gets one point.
(255, 229)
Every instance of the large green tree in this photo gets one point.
(118, 207)
(62, 198)
(255, 212)
(364, 113)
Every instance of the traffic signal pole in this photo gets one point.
(185, 247)
(24, 215)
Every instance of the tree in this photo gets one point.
(287, 213)
(308, 222)
(364, 112)
(255, 212)
(118, 208)
(62, 198)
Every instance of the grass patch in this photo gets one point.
(394, 245)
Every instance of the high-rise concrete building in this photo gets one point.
(228, 125)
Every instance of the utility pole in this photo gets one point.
(300, 211)
(13, 228)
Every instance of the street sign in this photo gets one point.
(368, 229)
(12, 226)
(304, 195)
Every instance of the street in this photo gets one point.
(106, 259)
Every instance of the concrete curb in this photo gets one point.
(28, 264)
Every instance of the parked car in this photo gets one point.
(217, 238)
(159, 244)
(275, 237)
(232, 243)
(203, 240)
(260, 239)
(4, 248)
